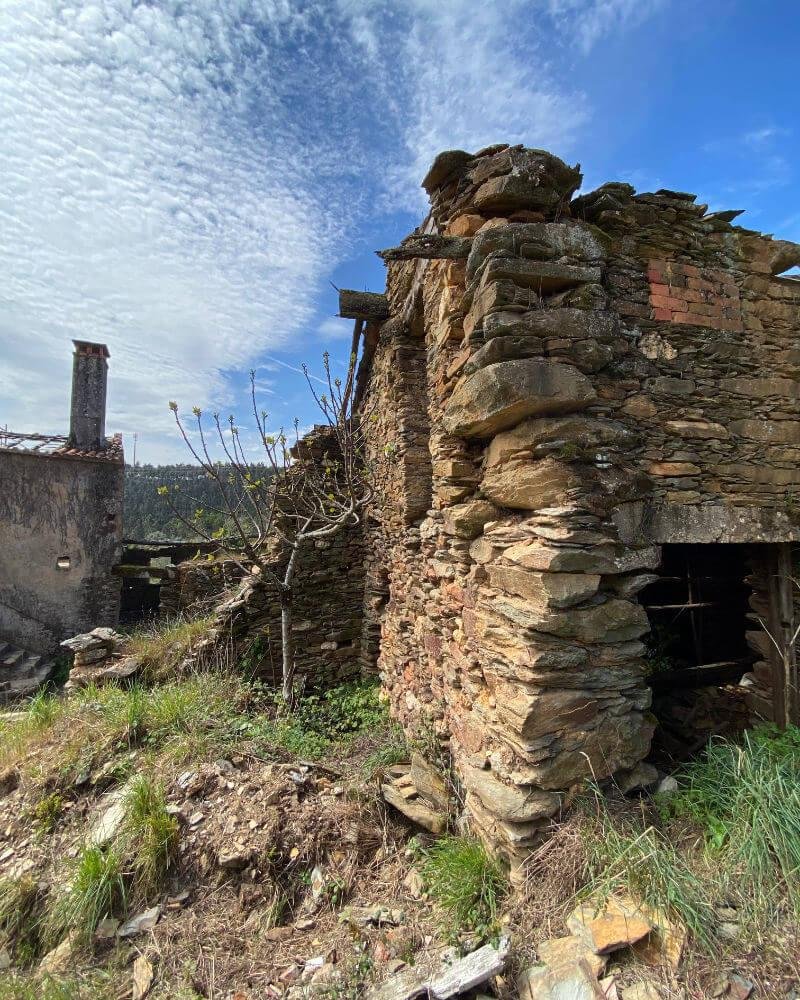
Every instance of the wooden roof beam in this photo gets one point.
(362, 305)
(430, 247)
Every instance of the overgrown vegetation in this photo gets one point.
(162, 646)
(19, 917)
(728, 838)
(318, 721)
(95, 889)
(625, 854)
(746, 799)
(466, 882)
(149, 834)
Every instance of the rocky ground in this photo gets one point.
(290, 876)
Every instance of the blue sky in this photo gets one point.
(184, 180)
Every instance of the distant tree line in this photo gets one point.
(193, 493)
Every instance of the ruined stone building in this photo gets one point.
(60, 530)
(588, 422)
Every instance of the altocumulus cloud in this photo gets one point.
(178, 179)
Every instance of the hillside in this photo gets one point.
(148, 516)
(188, 837)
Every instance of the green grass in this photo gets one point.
(746, 799)
(96, 889)
(394, 750)
(319, 721)
(58, 738)
(98, 986)
(625, 855)
(149, 835)
(162, 646)
(466, 882)
(20, 913)
(43, 709)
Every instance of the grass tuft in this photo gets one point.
(162, 646)
(624, 854)
(466, 882)
(96, 890)
(149, 834)
(746, 799)
(395, 750)
(20, 911)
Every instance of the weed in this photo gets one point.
(466, 882)
(149, 833)
(746, 797)
(97, 986)
(46, 813)
(624, 854)
(20, 917)
(162, 646)
(43, 708)
(319, 720)
(95, 890)
(341, 711)
(394, 750)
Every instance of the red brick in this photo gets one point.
(666, 302)
(662, 314)
(691, 270)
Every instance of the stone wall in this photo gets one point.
(602, 374)
(327, 599)
(60, 537)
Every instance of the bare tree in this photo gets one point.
(293, 496)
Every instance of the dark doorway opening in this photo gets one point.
(699, 611)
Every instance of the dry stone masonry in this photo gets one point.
(566, 384)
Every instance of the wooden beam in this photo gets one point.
(703, 675)
(775, 635)
(429, 247)
(371, 338)
(788, 634)
(351, 364)
(362, 305)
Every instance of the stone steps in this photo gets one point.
(22, 672)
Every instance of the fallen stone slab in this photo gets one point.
(448, 981)
(140, 923)
(616, 923)
(563, 982)
(557, 952)
(430, 783)
(414, 808)
(110, 819)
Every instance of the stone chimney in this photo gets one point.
(87, 425)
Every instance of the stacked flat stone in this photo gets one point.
(327, 606)
(97, 657)
(545, 415)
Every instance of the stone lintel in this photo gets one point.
(672, 523)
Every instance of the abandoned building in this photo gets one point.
(60, 530)
(584, 414)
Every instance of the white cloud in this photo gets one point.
(591, 20)
(179, 180)
(140, 207)
(335, 328)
